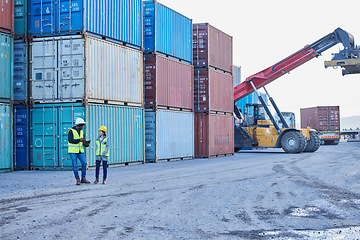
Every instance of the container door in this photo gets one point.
(5, 67)
(20, 71)
(69, 16)
(150, 136)
(71, 69)
(43, 71)
(20, 17)
(42, 16)
(67, 117)
(6, 138)
(44, 137)
(21, 147)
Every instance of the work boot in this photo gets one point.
(96, 181)
(104, 181)
(84, 180)
(78, 181)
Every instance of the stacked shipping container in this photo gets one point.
(168, 84)
(6, 82)
(213, 91)
(84, 64)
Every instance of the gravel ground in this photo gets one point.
(264, 194)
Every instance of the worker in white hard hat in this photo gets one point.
(76, 142)
(102, 154)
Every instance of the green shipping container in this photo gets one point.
(51, 123)
(6, 68)
(6, 142)
(20, 19)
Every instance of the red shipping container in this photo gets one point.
(6, 16)
(213, 91)
(323, 118)
(168, 83)
(214, 135)
(212, 47)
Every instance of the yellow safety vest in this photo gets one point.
(76, 148)
(101, 147)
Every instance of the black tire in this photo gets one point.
(313, 144)
(293, 142)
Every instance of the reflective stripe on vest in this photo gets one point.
(76, 148)
(101, 147)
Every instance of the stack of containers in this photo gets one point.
(213, 91)
(168, 84)
(6, 82)
(86, 61)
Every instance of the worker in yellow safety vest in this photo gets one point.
(102, 153)
(76, 142)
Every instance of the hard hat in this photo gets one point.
(103, 128)
(80, 121)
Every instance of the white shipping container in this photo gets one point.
(76, 68)
(236, 75)
(168, 135)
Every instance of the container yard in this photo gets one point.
(153, 92)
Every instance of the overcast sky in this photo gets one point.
(264, 32)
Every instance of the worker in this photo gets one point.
(76, 142)
(102, 154)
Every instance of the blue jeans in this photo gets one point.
(81, 157)
(97, 172)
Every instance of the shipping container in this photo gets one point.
(7, 16)
(20, 19)
(213, 91)
(168, 135)
(119, 20)
(20, 71)
(251, 99)
(6, 142)
(322, 118)
(6, 68)
(73, 68)
(167, 31)
(21, 137)
(212, 47)
(167, 83)
(51, 123)
(214, 135)
(236, 75)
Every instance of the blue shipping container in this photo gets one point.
(6, 68)
(20, 71)
(6, 142)
(20, 18)
(21, 137)
(250, 99)
(167, 32)
(116, 19)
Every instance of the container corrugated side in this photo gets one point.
(6, 139)
(20, 19)
(115, 19)
(7, 16)
(21, 137)
(20, 71)
(213, 91)
(51, 123)
(168, 135)
(214, 135)
(167, 83)
(236, 75)
(167, 32)
(6, 68)
(72, 68)
(212, 47)
(321, 118)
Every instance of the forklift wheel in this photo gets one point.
(313, 144)
(293, 142)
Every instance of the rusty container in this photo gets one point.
(168, 83)
(213, 91)
(7, 16)
(212, 47)
(322, 118)
(214, 135)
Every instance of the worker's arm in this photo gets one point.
(107, 149)
(71, 138)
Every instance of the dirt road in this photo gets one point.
(263, 194)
